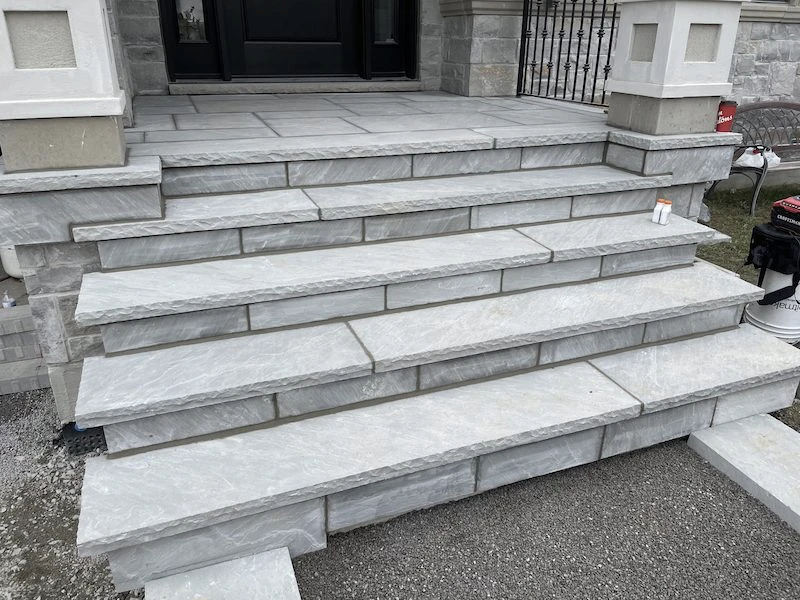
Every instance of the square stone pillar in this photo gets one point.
(671, 64)
(480, 46)
(60, 102)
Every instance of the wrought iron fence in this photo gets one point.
(566, 49)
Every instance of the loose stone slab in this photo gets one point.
(149, 383)
(264, 469)
(140, 170)
(469, 190)
(184, 215)
(613, 235)
(265, 576)
(443, 332)
(762, 399)
(126, 295)
(762, 455)
(223, 152)
(742, 358)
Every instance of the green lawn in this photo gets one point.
(730, 214)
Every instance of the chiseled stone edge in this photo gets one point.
(669, 142)
(224, 152)
(545, 135)
(140, 170)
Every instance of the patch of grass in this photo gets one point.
(730, 214)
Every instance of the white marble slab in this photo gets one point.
(264, 576)
(222, 152)
(124, 502)
(443, 332)
(140, 170)
(762, 455)
(342, 202)
(150, 383)
(706, 367)
(612, 235)
(202, 213)
(126, 295)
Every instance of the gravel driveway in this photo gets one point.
(653, 524)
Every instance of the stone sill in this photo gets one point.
(769, 12)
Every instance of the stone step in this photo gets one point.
(264, 576)
(483, 200)
(291, 485)
(762, 455)
(23, 376)
(291, 288)
(179, 392)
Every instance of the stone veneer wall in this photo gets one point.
(766, 62)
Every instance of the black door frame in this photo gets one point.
(213, 53)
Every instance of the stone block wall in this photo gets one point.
(141, 45)
(53, 274)
(431, 28)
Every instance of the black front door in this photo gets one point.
(253, 39)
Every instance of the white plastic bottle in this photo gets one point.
(8, 301)
(663, 219)
(657, 210)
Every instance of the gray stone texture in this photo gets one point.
(647, 260)
(383, 500)
(465, 163)
(176, 378)
(189, 181)
(701, 322)
(65, 379)
(690, 165)
(438, 333)
(760, 454)
(142, 47)
(620, 202)
(551, 274)
(180, 425)
(299, 527)
(326, 455)
(307, 309)
(428, 222)
(765, 61)
(760, 399)
(23, 376)
(414, 293)
(349, 391)
(62, 143)
(587, 344)
(657, 427)
(571, 155)
(478, 366)
(126, 295)
(141, 333)
(540, 458)
(624, 157)
(515, 213)
(349, 170)
(766, 360)
(58, 267)
(136, 252)
(302, 235)
(662, 116)
(264, 576)
(67, 208)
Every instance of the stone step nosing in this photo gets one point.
(494, 415)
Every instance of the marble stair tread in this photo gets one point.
(136, 294)
(203, 213)
(572, 240)
(316, 147)
(367, 199)
(433, 334)
(762, 455)
(264, 576)
(119, 388)
(765, 359)
(136, 498)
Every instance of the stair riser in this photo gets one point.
(190, 181)
(145, 333)
(341, 395)
(225, 243)
(304, 526)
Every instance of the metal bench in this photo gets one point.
(773, 125)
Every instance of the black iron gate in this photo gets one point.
(566, 49)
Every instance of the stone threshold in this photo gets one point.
(154, 382)
(196, 88)
(489, 427)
